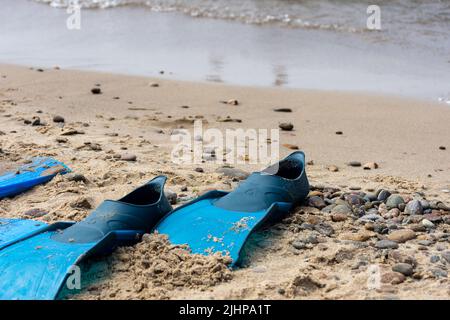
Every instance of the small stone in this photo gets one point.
(128, 157)
(96, 91)
(370, 166)
(333, 168)
(338, 217)
(341, 208)
(282, 110)
(171, 196)
(233, 173)
(339, 132)
(324, 229)
(286, 126)
(386, 244)
(154, 84)
(394, 201)
(61, 140)
(77, 177)
(200, 170)
(403, 268)
(439, 273)
(35, 213)
(354, 164)
(357, 236)
(299, 245)
(393, 278)
(35, 121)
(402, 235)
(58, 119)
(233, 102)
(434, 259)
(446, 256)
(427, 223)
(414, 207)
(383, 195)
(442, 148)
(316, 202)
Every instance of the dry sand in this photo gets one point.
(133, 116)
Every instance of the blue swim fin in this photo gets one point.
(221, 222)
(38, 171)
(36, 264)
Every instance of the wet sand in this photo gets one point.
(133, 116)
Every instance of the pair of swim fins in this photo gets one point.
(35, 258)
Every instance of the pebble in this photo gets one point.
(199, 169)
(354, 164)
(96, 91)
(403, 268)
(171, 196)
(402, 235)
(316, 202)
(58, 119)
(434, 259)
(446, 256)
(333, 168)
(61, 140)
(339, 132)
(282, 110)
(35, 213)
(370, 165)
(338, 217)
(363, 235)
(439, 273)
(341, 208)
(291, 146)
(393, 278)
(414, 207)
(386, 244)
(394, 201)
(233, 173)
(128, 157)
(427, 223)
(442, 148)
(383, 195)
(35, 121)
(299, 245)
(286, 126)
(154, 84)
(324, 229)
(77, 177)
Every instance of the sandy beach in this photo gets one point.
(134, 116)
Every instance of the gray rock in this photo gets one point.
(299, 245)
(324, 229)
(316, 202)
(439, 273)
(386, 244)
(35, 213)
(371, 217)
(434, 259)
(233, 173)
(414, 207)
(394, 201)
(383, 195)
(403, 268)
(199, 169)
(341, 208)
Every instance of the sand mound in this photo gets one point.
(154, 267)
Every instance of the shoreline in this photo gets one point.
(135, 115)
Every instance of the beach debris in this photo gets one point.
(286, 126)
(282, 110)
(232, 102)
(370, 166)
(96, 90)
(58, 119)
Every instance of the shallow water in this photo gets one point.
(299, 44)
